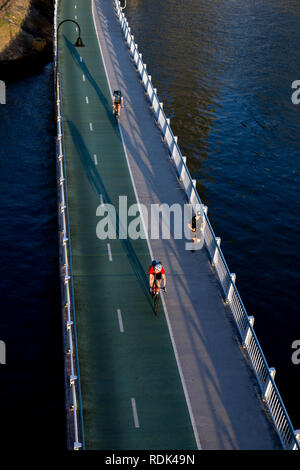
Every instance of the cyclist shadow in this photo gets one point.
(100, 188)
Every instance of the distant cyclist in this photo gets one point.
(118, 101)
(157, 272)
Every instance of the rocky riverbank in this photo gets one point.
(26, 37)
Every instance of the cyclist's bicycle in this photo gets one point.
(116, 111)
(155, 295)
(117, 103)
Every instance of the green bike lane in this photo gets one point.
(131, 391)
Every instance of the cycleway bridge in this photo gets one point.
(181, 380)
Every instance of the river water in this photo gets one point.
(32, 381)
(224, 71)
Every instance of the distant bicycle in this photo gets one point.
(116, 113)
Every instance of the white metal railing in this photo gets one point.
(265, 376)
(71, 360)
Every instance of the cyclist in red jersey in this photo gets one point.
(156, 271)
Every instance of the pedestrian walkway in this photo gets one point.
(176, 381)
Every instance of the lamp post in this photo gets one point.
(78, 43)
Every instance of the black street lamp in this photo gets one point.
(78, 43)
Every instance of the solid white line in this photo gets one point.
(96, 160)
(120, 321)
(87, 99)
(91, 127)
(151, 254)
(109, 252)
(135, 415)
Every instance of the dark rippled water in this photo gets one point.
(224, 71)
(32, 381)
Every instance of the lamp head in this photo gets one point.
(79, 42)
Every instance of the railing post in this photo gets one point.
(192, 192)
(231, 288)
(268, 385)
(73, 378)
(297, 436)
(247, 336)
(182, 168)
(167, 124)
(204, 212)
(159, 111)
(218, 240)
(175, 142)
(131, 47)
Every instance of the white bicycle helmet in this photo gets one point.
(157, 266)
